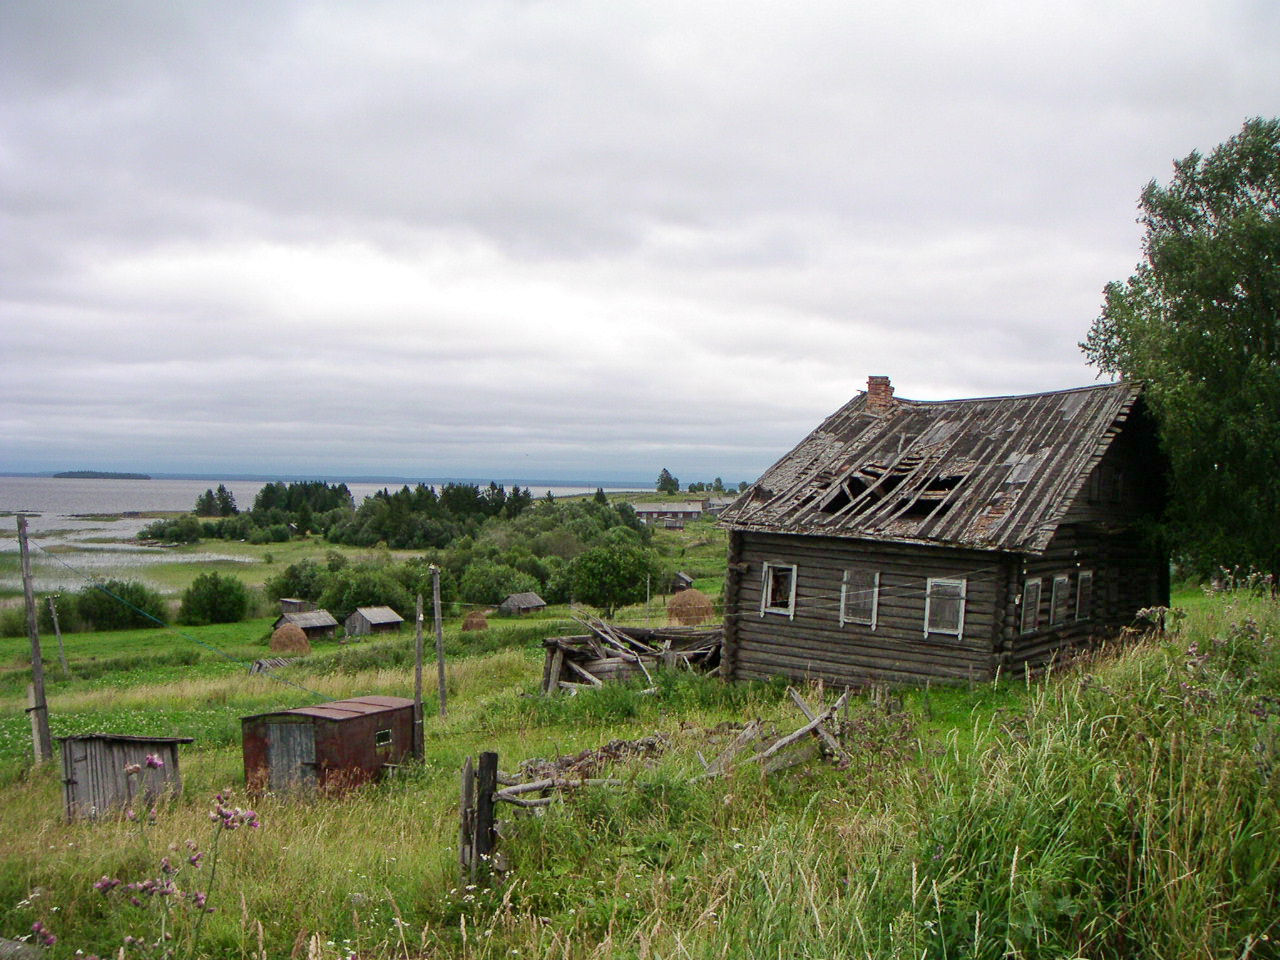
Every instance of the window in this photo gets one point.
(779, 593)
(382, 738)
(859, 597)
(1060, 599)
(944, 606)
(1031, 605)
(1084, 595)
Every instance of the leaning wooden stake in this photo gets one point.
(39, 709)
(418, 739)
(57, 632)
(435, 601)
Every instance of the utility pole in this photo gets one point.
(418, 742)
(38, 709)
(435, 600)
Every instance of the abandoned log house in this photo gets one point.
(905, 541)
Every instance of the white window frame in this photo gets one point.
(1060, 580)
(1038, 584)
(766, 589)
(1081, 578)
(960, 582)
(875, 599)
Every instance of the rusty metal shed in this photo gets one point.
(95, 780)
(335, 744)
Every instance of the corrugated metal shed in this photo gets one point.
(94, 776)
(340, 743)
(991, 473)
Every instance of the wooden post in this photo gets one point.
(418, 739)
(57, 632)
(486, 784)
(467, 834)
(435, 601)
(38, 709)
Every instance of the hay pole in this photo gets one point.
(418, 738)
(435, 602)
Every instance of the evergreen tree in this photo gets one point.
(667, 483)
(226, 502)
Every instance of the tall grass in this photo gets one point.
(1125, 807)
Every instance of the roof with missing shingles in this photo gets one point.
(993, 473)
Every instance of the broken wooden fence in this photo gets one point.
(483, 786)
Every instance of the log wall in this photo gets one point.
(812, 644)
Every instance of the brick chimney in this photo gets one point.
(879, 395)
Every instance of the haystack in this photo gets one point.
(688, 608)
(289, 638)
(476, 620)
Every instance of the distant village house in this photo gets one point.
(369, 620)
(316, 624)
(522, 603)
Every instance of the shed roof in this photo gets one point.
(309, 619)
(524, 600)
(128, 739)
(989, 473)
(343, 709)
(379, 614)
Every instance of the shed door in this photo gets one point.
(291, 755)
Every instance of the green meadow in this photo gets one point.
(1125, 805)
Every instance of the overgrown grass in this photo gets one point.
(1125, 807)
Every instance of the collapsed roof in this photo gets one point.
(994, 473)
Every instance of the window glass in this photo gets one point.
(1031, 605)
(861, 595)
(1084, 595)
(382, 738)
(944, 606)
(1061, 599)
(779, 593)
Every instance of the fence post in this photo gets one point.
(477, 835)
(466, 835)
(486, 784)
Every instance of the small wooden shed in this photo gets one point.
(336, 744)
(518, 603)
(295, 605)
(316, 624)
(102, 772)
(367, 620)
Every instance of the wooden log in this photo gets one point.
(585, 674)
(749, 734)
(556, 783)
(832, 743)
(553, 675)
(802, 732)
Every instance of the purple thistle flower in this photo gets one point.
(154, 762)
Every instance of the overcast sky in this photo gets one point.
(582, 240)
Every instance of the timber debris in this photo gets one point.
(609, 652)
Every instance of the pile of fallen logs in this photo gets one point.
(609, 652)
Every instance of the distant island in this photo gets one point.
(99, 475)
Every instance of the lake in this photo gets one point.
(89, 517)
